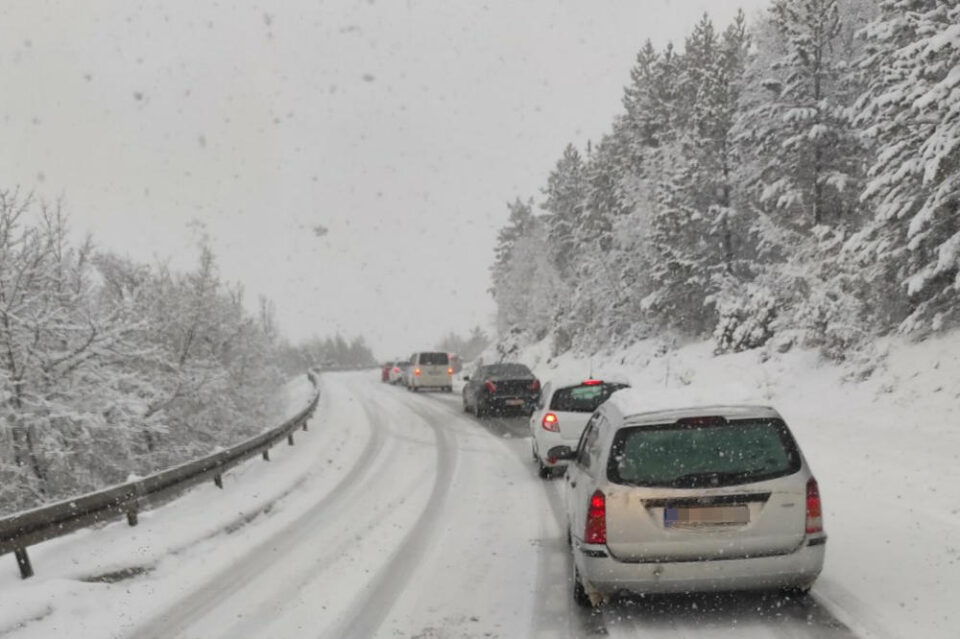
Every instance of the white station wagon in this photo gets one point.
(695, 499)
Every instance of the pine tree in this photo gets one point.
(564, 200)
(912, 110)
(810, 156)
(518, 225)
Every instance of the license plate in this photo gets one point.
(514, 402)
(705, 516)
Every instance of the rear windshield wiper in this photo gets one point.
(714, 478)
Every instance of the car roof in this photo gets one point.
(637, 407)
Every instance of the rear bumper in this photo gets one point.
(606, 575)
(509, 404)
(431, 382)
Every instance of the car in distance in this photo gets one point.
(685, 500)
(385, 371)
(499, 388)
(430, 369)
(396, 373)
(562, 414)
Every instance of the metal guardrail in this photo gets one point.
(31, 527)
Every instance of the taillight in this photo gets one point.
(592, 382)
(596, 529)
(814, 509)
(450, 371)
(550, 422)
(535, 385)
(396, 370)
(491, 387)
(416, 372)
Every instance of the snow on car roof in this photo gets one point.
(728, 401)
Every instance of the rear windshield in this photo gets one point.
(689, 456)
(582, 399)
(438, 359)
(403, 365)
(507, 370)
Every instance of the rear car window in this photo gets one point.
(691, 455)
(437, 359)
(507, 370)
(582, 399)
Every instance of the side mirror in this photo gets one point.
(466, 378)
(561, 453)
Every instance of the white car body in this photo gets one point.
(557, 422)
(733, 531)
(395, 376)
(429, 369)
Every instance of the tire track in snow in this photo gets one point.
(555, 614)
(305, 573)
(227, 582)
(368, 611)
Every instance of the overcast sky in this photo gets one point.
(401, 128)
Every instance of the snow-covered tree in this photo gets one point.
(564, 198)
(912, 112)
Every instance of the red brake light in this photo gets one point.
(596, 529)
(416, 372)
(396, 369)
(490, 386)
(450, 371)
(550, 422)
(592, 382)
(814, 508)
(535, 385)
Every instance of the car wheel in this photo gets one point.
(466, 408)
(796, 592)
(478, 410)
(580, 596)
(543, 471)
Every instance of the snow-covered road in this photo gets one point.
(412, 520)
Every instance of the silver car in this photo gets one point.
(696, 499)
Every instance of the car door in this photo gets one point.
(582, 476)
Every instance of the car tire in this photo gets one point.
(580, 596)
(798, 593)
(543, 471)
(466, 408)
(479, 411)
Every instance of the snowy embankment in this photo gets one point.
(75, 573)
(886, 452)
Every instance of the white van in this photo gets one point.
(430, 369)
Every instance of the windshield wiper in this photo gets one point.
(713, 478)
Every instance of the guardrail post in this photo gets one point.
(290, 438)
(266, 454)
(218, 481)
(132, 518)
(23, 561)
